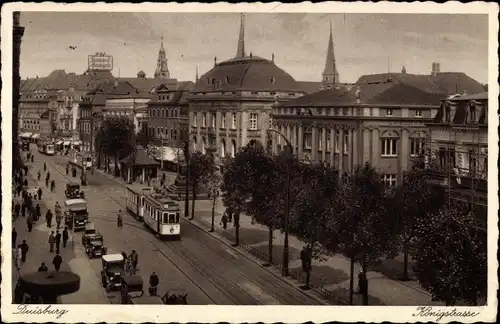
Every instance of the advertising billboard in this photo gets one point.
(100, 61)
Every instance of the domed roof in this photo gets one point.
(250, 73)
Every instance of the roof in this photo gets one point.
(110, 89)
(45, 114)
(393, 89)
(246, 73)
(146, 84)
(179, 91)
(141, 159)
(309, 86)
(59, 79)
(476, 96)
(75, 201)
(112, 257)
(462, 108)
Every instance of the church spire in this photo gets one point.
(330, 73)
(162, 64)
(241, 40)
(196, 73)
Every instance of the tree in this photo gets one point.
(116, 137)
(200, 167)
(213, 186)
(312, 210)
(450, 255)
(363, 230)
(411, 201)
(143, 138)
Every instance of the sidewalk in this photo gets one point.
(329, 278)
(74, 257)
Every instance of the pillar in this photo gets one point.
(403, 153)
(244, 128)
(217, 136)
(332, 146)
(198, 132)
(301, 142)
(314, 146)
(375, 148)
(323, 139)
(366, 146)
(341, 152)
(355, 148)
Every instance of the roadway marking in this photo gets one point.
(232, 253)
(255, 291)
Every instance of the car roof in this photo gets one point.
(112, 257)
(70, 202)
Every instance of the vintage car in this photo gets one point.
(131, 287)
(94, 245)
(112, 271)
(73, 191)
(89, 230)
(76, 215)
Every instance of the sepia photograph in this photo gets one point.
(217, 156)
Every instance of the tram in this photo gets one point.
(134, 202)
(46, 148)
(161, 215)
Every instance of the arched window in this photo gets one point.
(203, 145)
(195, 143)
(233, 148)
(223, 148)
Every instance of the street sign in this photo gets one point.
(100, 61)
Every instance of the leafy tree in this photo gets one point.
(450, 255)
(143, 138)
(363, 231)
(213, 183)
(200, 166)
(411, 201)
(313, 208)
(116, 137)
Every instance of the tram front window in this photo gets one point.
(165, 217)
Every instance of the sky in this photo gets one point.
(364, 43)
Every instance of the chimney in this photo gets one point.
(433, 71)
(116, 83)
(438, 68)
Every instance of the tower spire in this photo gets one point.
(162, 63)
(241, 40)
(330, 73)
(196, 72)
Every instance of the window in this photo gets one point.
(320, 138)
(223, 148)
(195, 117)
(346, 142)
(389, 180)
(204, 120)
(223, 120)
(270, 122)
(307, 140)
(214, 117)
(389, 112)
(174, 134)
(389, 147)
(254, 117)
(418, 113)
(337, 136)
(233, 125)
(417, 146)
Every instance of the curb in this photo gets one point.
(250, 257)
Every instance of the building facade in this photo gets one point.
(458, 150)
(231, 104)
(131, 106)
(381, 120)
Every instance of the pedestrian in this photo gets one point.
(119, 220)
(52, 240)
(58, 241)
(14, 237)
(39, 175)
(24, 251)
(65, 236)
(32, 158)
(57, 261)
(362, 281)
(44, 166)
(52, 186)
(67, 169)
(25, 170)
(154, 281)
(23, 209)
(30, 197)
(43, 268)
(18, 190)
(29, 222)
(58, 218)
(48, 175)
(224, 221)
(229, 216)
(47, 182)
(48, 217)
(25, 182)
(134, 259)
(17, 209)
(39, 193)
(38, 213)
(18, 256)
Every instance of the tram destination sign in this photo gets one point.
(100, 61)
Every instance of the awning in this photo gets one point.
(35, 136)
(59, 142)
(26, 134)
(66, 143)
(77, 143)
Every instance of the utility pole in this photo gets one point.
(91, 141)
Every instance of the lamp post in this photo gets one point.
(284, 272)
(186, 199)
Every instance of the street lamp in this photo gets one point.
(287, 206)
(186, 157)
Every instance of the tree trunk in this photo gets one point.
(351, 282)
(270, 246)
(116, 164)
(193, 201)
(365, 290)
(237, 227)
(213, 214)
(405, 264)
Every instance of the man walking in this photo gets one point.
(52, 240)
(14, 238)
(57, 209)
(18, 255)
(48, 217)
(38, 213)
(29, 222)
(43, 268)
(24, 251)
(57, 261)
(23, 209)
(65, 236)
(39, 193)
(58, 241)
(17, 209)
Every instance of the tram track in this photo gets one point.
(277, 291)
(198, 264)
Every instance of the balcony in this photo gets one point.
(458, 178)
